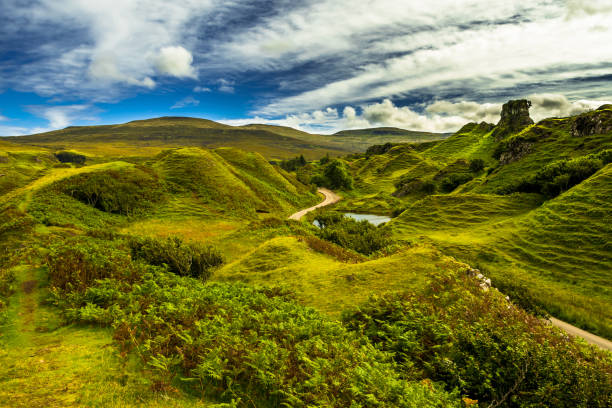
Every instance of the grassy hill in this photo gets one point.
(172, 276)
(361, 139)
(464, 195)
(151, 136)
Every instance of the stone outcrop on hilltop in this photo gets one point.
(593, 123)
(514, 118)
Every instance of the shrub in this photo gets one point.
(559, 176)
(126, 192)
(359, 236)
(7, 288)
(379, 149)
(453, 181)
(337, 175)
(182, 259)
(76, 264)
(326, 247)
(70, 157)
(476, 165)
(293, 164)
(250, 345)
(477, 343)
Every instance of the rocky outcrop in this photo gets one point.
(514, 118)
(593, 123)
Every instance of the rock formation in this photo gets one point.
(514, 118)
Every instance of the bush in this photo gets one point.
(476, 165)
(560, 176)
(477, 343)
(379, 149)
(254, 346)
(453, 181)
(7, 288)
(337, 176)
(359, 236)
(293, 164)
(76, 264)
(182, 259)
(326, 247)
(70, 157)
(126, 192)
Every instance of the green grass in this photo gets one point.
(43, 363)
(320, 281)
(149, 137)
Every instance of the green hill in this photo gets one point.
(150, 136)
(464, 195)
(361, 139)
(168, 274)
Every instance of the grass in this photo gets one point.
(320, 281)
(148, 137)
(43, 363)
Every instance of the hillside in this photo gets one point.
(151, 136)
(361, 139)
(172, 277)
(527, 204)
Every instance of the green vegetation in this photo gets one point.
(70, 157)
(166, 274)
(359, 236)
(182, 259)
(476, 343)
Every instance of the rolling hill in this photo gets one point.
(527, 205)
(150, 136)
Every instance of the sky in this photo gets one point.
(319, 66)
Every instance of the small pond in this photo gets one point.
(371, 218)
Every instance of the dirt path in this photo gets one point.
(330, 198)
(589, 337)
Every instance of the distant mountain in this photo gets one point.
(164, 132)
(361, 139)
(272, 141)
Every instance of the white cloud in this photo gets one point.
(3, 117)
(440, 116)
(576, 8)
(201, 89)
(226, 86)
(555, 105)
(175, 61)
(13, 131)
(61, 116)
(186, 101)
(475, 112)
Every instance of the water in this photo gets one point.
(371, 218)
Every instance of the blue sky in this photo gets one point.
(315, 65)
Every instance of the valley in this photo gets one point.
(174, 262)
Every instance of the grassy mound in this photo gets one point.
(230, 180)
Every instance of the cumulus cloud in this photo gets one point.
(440, 116)
(104, 67)
(175, 61)
(187, 101)
(472, 111)
(577, 8)
(555, 105)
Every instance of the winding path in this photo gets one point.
(330, 198)
(588, 337)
